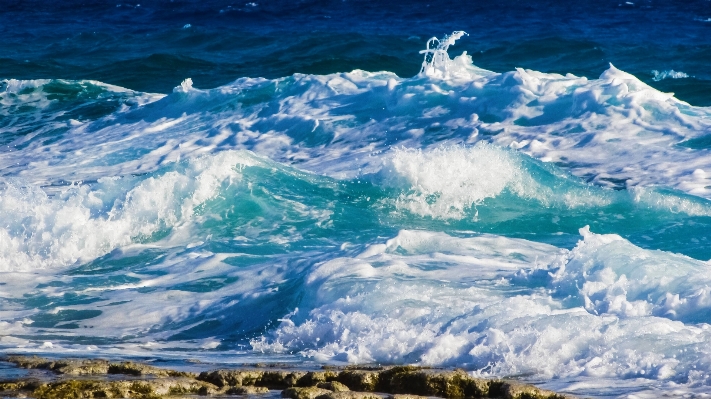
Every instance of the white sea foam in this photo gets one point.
(670, 74)
(85, 222)
(446, 182)
(445, 142)
(450, 182)
(614, 277)
(606, 309)
(614, 131)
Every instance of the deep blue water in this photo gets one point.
(291, 181)
(144, 46)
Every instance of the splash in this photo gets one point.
(437, 63)
(613, 312)
(85, 221)
(671, 74)
(447, 182)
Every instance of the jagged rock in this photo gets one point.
(280, 378)
(11, 386)
(428, 382)
(359, 380)
(350, 395)
(247, 390)
(27, 362)
(515, 390)
(405, 382)
(132, 368)
(16, 388)
(88, 368)
(93, 367)
(304, 392)
(365, 367)
(75, 390)
(276, 379)
(63, 366)
(334, 386)
(149, 389)
(314, 377)
(233, 378)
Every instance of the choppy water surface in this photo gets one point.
(293, 182)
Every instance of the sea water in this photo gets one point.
(300, 190)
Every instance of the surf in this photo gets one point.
(513, 224)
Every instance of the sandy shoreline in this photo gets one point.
(98, 378)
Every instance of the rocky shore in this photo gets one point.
(96, 378)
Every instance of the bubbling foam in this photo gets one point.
(87, 221)
(502, 306)
(447, 182)
(612, 276)
(450, 182)
(613, 131)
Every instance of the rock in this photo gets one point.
(15, 388)
(275, 379)
(403, 382)
(74, 390)
(314, 377)
(359, 380)
(427, 382)
(333, 386)
(150, 389)
(9, 386)
(350, 395)
(63, 366)
(304, 392)
(515, 390)
(132, 368)
(281, 379)
(233, 378)
(93, 367)
(27, 362)
(183, 386)
(87, 368)
(247, 390)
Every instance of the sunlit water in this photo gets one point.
(549, 226)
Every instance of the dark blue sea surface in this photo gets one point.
(153, 45)
(512, 188)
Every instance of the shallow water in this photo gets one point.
(291, 182)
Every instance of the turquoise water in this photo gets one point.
(515, 202)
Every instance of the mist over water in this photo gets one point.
(326, 182)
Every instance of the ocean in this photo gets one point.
(518, 189)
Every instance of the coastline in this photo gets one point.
(98, 378)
